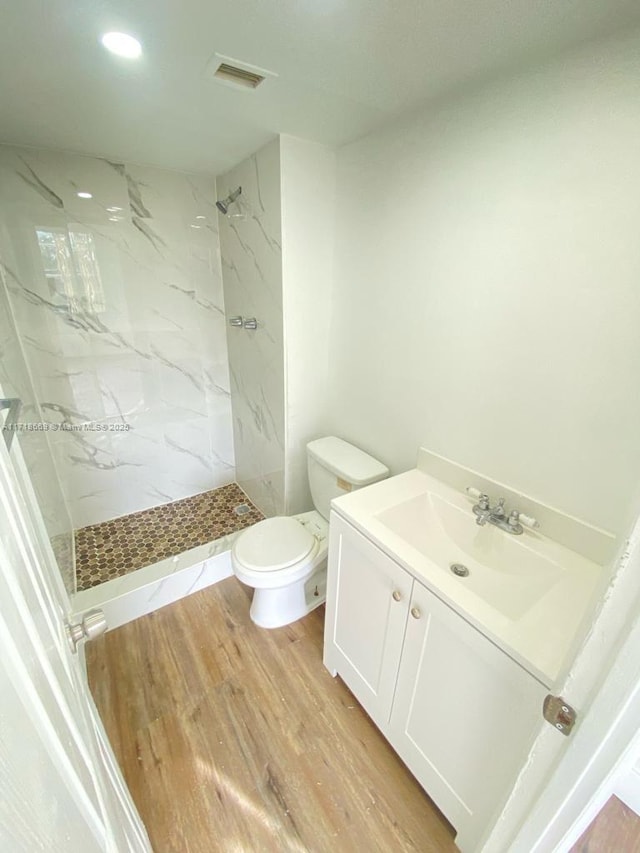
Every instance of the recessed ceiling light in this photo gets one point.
(114, 209)
(195, 226)
(200, 217)
(84, 195)
(122, 45)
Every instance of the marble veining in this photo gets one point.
(252, 274)
(35, 446)
(134, 191)
(119, 303)
(35, 183)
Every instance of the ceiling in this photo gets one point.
(344, 67)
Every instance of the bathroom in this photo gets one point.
(443, 258)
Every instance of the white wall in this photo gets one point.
(487, 296)
(308, 175)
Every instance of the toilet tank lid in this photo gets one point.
(346, 461)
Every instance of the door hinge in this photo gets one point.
(93, 624)
(559, 713)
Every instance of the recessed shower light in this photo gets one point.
(122, 45)
(84, 195)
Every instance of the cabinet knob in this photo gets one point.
(397, 596)
(415, 613)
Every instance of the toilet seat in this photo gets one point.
(273, 545)
(284, 560)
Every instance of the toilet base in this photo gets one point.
(275, 608)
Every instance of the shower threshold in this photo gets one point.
(138, 563)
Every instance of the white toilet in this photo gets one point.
(284, 559)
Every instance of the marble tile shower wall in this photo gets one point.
(251, 246)
(118, 300)
(36, 449)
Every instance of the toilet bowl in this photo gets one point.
(277, 557)
(284, 558)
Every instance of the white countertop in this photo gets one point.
(540, 637)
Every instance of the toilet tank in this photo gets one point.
(336, 468)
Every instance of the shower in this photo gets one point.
(223, 206)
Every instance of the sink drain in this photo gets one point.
(459, 570)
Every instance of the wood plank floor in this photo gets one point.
(615, 830)
(236, 739)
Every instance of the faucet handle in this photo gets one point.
(529, 521)
(519, 519)
(483, 500)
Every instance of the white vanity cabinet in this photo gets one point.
(457, 709)
(367, 606)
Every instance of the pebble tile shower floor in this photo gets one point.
(114, 548)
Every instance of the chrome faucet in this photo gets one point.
(515, 522)
(485, 512)
(496, 515)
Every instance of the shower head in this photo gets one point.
(223, 206)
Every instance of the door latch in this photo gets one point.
(93, 624)
(559, 713)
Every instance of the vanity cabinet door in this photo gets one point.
(464, 714)
(366, 613)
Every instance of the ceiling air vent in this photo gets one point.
(238, 76)
(232, 72)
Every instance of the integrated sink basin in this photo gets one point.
(528, 593)
(504, 570)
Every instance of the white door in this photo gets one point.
(60, 788)
(565, 781)
(367, 605)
